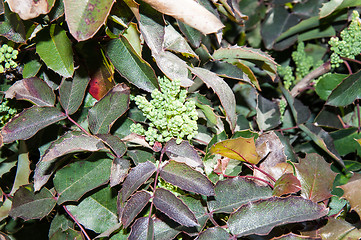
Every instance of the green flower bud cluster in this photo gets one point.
(6, 112)
(169, 112)
(287, 74)
(303, 62)
(282, 106)
(7, 57)
(350, 45)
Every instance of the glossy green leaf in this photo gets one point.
(78, 178)
(162, 231)
(193, 35)
(140, 156)
(142, 229)
(130, 65)
(72, 91)
(173, 207)
(174, 41)
(173, 67)
(5, 209)
(107, 110)
(185, 177)
(213, 234)
(34, 90)
(119, 171)
(133, 35)
(27, 123)
(347, 91)
(277, 21)
(300, 112)
(333, 5)
(136, 177)
(31, 68)
(72, 142)
(226, 69)
(345, 141)
(85, 17)
(12, 27)
(199, 211)
(234, 192)
(59, 222)
(134, 206)
(29, 205)
(97, 212)
(246, 53)
(23, 168)
(183, 152)
(316, 177)
(223, 91)
(242, 149)
(152, 27)
(262, 216)
(339, 229)
(322, 139)
(268, 115)
(114, 142)
(327, 83)
(55, 49)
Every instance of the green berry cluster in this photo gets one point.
(6, 112)
(303, 62)
(350, 45)
(287, 75)
(169, 112)
(7, 57)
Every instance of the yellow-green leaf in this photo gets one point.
(243, 149)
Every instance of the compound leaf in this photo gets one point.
(134, 206)
(142, 229)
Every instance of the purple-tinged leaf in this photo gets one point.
(72, 92)
(234, 192)
(114, 142)
(72, 142)
(97, 212)
(134, 206)
(346, 92)
(183, 152)
(104, 113)
(173, 207)
(286, 184)
(214, 233)
(136, 177)
(34, 90)
(119, 171)
(130, 65)
(162, 231)
(27, 123)
(223, 91)
(85, 17)
(262, 216)
(142, 229)
(322, 139)
(185, 177)
(29, 205)
(78, 178)
(316, 177)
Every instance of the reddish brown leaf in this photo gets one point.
(352, 192)
(316, 177)
(286, 184)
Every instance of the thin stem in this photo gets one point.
(259, 179)
(76, 221)
(301, 85)
(348, 67)
(77, 124)
(155, 183)
(351, 60)
(285, 129)
(253, 165)
(358, 116)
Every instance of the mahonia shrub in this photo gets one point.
(170, 114)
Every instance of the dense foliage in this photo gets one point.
(149, 119)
